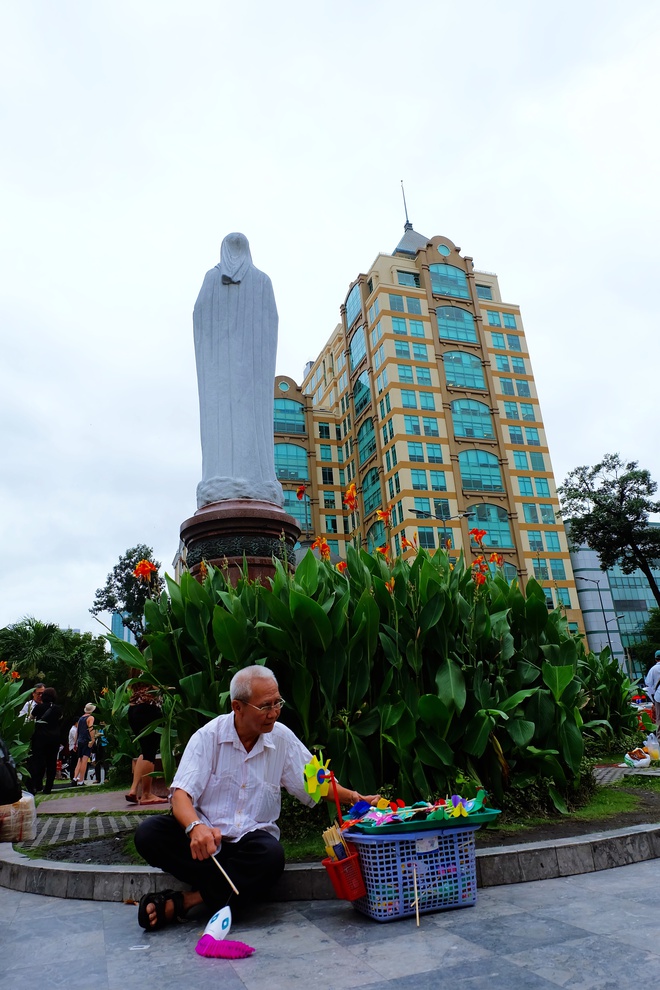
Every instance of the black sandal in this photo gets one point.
(159, 901)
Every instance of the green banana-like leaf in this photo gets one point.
(451, 685)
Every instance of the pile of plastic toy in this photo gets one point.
(392, 812)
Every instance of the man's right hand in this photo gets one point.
(204, 841)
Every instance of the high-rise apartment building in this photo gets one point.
(424, 397)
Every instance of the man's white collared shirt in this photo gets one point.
(237, 791)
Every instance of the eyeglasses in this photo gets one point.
(277, 706)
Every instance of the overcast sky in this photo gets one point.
(135, 135)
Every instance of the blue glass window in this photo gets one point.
(414, 305)
(540, 569)
(396, 303)
(498, 339)
(358, 348)
(484, 292)
(537, 462)
(399, 326)
(510, 322)
(502, 363)
(366, 441)
(415, 451)
(518, 365)
(438, 482)
(416, 328)
(331, 524)
(411, 425)
(376, 536)
(552, 542)
(423, 507)
(527, 410)
(547, 514)
(405, 373)
(506, 386)
(426, 537)
(525, 485)
(532, 435)
(291, 462)
(456, 324)
(371, 492)
(493, 318)
(426, 400)
(542, 487)
(289, 416)
(298, 508)
(564, 597)
(353, 305)
(516, 434)
(430, 425)
(408, 399)
(361, 393)
(496, 523)
(434, 453)
(463, 369)
(401, 349)
(530, 512)
(522, 388)
(513, 341)
(326, 451)
(480, 471)
(520, 460)
(511, 410)
(423, 376)
(472, 419)
(535, 540)
(418, 479)
(408, 278)
(446, 280)
(419, 352)
(558, 569)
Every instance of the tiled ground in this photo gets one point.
(597, 930)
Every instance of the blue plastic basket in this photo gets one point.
(444, 863)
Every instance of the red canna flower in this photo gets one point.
(350, 497)
(4, 667)
(407, 545)
(341, 566)
(144, 569)
(479, 577)
(384, 550)
(15, 675)
(478, 535)
(385, 515)
(300, 492)
(448, 543)
(203, 570)
(390, 586)
(496, 558)
(321, 545)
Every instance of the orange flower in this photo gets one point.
(15, 675)
(385, 515)
(144, 569)
(4, 667)
(496, 558)
(341, 566)
(203, 570)
(300, 492)
(321, 545)
(407, 545)
(104, 691)
(478, 535)
(448, 543)
(384, 550)
(479, 577)
(390, 586)
(350, 497)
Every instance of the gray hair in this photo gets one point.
(240, 688)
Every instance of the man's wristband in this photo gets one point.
(188, 829)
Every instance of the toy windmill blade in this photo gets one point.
(317, 781)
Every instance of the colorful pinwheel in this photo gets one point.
(317, 778)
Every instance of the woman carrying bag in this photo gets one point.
(86, 740)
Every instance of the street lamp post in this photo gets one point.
(578, 577)
(441, 517)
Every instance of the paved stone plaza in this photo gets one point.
(596, 930)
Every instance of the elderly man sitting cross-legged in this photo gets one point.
(226, 798)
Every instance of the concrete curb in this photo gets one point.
(309, 881)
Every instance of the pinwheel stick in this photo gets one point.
(225, 875)
(330, 774)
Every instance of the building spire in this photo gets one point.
(407, 225)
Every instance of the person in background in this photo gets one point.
(37, 694)
(85, 744)
(143, 710)
(652, 687)
(47, 716)
(73, 755)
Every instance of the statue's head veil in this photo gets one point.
(235, 257)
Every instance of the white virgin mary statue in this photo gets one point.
(235, 329)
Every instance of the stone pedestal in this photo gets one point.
(222, 533)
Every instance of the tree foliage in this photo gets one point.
(645, 650)
(77, 665)
(607, 506)
(126, 594)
